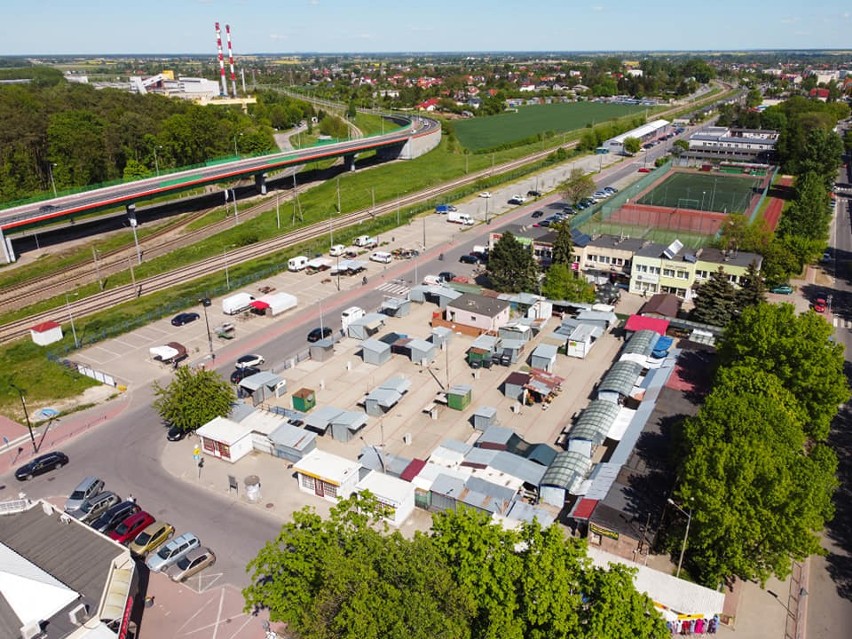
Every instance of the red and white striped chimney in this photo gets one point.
(231, 60)
(221, 60)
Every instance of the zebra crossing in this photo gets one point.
(840, 322)
(395, 289)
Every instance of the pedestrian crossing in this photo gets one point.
(840, 322)
(394, 289)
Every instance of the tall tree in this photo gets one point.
(822, 155)
(561, 283)
(715, 300)
(193, 398)
(632, 145)
(578, 185)
(796, 349)
(562, 245)
(511, 266)
(752, 290)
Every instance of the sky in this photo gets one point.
(50, 27)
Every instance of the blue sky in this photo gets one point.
(296, 26)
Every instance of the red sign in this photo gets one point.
(125, 619)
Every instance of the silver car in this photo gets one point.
(172, 551)
(86, 489)
(95, 506)
(192, 562)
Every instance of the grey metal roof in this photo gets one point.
(585, 331)
(459, 389)
(353, 420)
(480, 457)
(487, 306)
(10, 623)
(594, 422)
(448, 485)
(522, 511)
(485, 342)
(397, 383)
(485, 411)
(374, 345)
(480, 485)
(499, 435)
(376, 459)
(527, 471)
(456, 446)
(292, 437)
(421, 345)
(641, 343)
(541, 454)
(547, 351)
(384, 397)
(321, 417)
(567, 471)
(263, 378)
(71, 552)
(240, 410)
(621, 378)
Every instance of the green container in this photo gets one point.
(304, 399)
(459, 396)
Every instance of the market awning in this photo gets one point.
(259, 305)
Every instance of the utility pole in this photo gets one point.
(26, 416)
(277, 210)
(97, 268)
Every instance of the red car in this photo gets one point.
(645, 169)
(820, 305)
(127, 530)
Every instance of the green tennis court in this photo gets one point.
(704, 192)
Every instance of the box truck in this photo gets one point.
(459, 218)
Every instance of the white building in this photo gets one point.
(644, 133)
(395, 495)
(326, 475)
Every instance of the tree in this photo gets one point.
(715, 300)
(511, 266)
(752, 290)
(754, 98)
(796, 349)
(679, 147)
(193, 398)
(632, 145)
(779, 262)
(577, 186)
(822, 155)
(757, 498)
(562, 245)
(561, 283)
(809, 215)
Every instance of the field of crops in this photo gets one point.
(492, 131)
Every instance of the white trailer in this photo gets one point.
(236, 303)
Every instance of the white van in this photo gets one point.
(297, 263)
(381, 257)
(337, 250)
(350, 315)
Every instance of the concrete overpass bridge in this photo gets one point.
(416, 137)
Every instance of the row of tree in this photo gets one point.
(468, 578)
(754, 471)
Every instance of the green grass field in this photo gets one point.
(488, 132)
(703, 192)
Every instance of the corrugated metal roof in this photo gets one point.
(375, 345)
(398, 383)
(527, 471)
(621, 378)
(567, 471)
(641, 343)
(495, 434)
(293, 437)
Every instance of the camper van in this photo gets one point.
(382, 257)
(296, 264)
(337, 250)
(350, 315)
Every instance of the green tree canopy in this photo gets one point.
(715, 300)
(752, 290)
(562, 283)
(796, 349)
(757, 497)
(511, 266)
(562, 245)
(193, 398)
(632, 145)
(578, 185)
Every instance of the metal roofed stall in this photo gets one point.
(619, 381)
(291, 442)
(640, 346)
(346, 424)
(564, 476)
(594, 424)
(320, 419)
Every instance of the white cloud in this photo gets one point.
(597, 7)
(314, 2)
(278, 36)
(789, 20)
(421, 29)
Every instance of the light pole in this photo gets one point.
(95, 255)
(685, 535)
(156, 161)
(71, 317)
(205, 302)
(227, 277)
(26, 416)
(52, 181)
(703, 193)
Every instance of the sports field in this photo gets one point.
(494, 130)
(704, 192)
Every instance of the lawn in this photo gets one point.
(703, 192)
(488, 132)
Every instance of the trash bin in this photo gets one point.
(252, 483)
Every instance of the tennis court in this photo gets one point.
(704, 192)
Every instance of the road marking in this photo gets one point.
(394, 288)
(839, 322)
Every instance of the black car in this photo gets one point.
(534, 193)
(241, 373)
(538, 213)
(469, 258)
(319, 333)
(47, 208)
(184, 318)
(115, 515)
(447, 276)
(175, 434)
(41, 465)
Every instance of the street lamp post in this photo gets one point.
(156, 161)
(227, 276)
(205, 302)
(685, 535)
(52, 181)
(71, 317)
(95, 255)
(26, 416)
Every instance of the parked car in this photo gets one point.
(533, 193)
(127, 530)
(184, 318)
(446, 276)
(645, 169)
(114, 515)
(469, 258)
(241, 373)
(89, 487)
(485, 194)
(252, 359)
(319, 333)
(544, 223)
(192, 562)
(610, 189)
(151, 537)
(537, 214)
(783, 289)
(826, 257)
(94, 507)
(820, 305)
(170, 552)
(47, 208)
(41, 464)
(175, 434)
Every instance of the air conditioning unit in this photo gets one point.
(78, 614)
(32, 630)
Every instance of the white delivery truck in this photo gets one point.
(382, 257)
(459, 218)
(297, 263)
(238, 303)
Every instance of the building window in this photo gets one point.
(654, 270)
(668, 272)
(683, 275)
(307, 482)
(701, 275)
